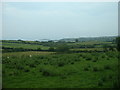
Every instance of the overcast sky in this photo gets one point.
(57, 20)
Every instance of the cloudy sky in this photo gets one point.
(56, 20)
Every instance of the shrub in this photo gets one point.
(107, 67)
(118, 43)
(103, 56)
(86, 69)
(94, 60)
(88, 58)
(51, 49)
(32, 65)
(47, 72)
(39, 49)
(62, 48)
(41, 57)
(60, 64)
(26, 69)
(72, 62)
(45, 63)
(80, 55)
(84, 56)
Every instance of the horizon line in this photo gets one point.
(62, 38)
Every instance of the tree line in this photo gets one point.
(63, 47)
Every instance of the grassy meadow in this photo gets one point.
(92, 67)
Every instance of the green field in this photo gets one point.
(46, 69)
(21, 45)
(76, 46)
(49, 70)
(90, 43)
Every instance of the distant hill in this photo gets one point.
(82, 39)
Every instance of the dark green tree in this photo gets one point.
(50, 41)
(76, 40)
(105, 47)
(111, 48)
(39, 49)
(62, 48)
(51, 49)
(118, 43)
(20, 40)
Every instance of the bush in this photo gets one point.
(107, 67)
(51, 49)
(47, 72)
(62, 48)
(118, 43)
(103, 56)
(39, 49)
(32, 65)
(94, 60)
(60, 64)
(88, 58)
(86, 69)
(26, 69)
(45, 63)
(72, 62)
(41, 57)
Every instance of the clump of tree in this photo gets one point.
(76, 40)
(107, 47)
(20, 40)
(51, 49)
(39, 49)
(63, 48)
(8, 49)
(118, 43)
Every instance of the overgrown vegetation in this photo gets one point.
(34, 64)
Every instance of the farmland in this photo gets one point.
(86, 65)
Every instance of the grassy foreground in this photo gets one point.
(52, 70)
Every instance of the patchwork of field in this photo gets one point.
(53, 70)
(38, 46)
(33, 64)
(22, 45)
(91, 43)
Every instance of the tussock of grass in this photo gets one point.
(59, 70)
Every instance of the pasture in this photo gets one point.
(57, 70)
(23, 45)
(87, 64)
